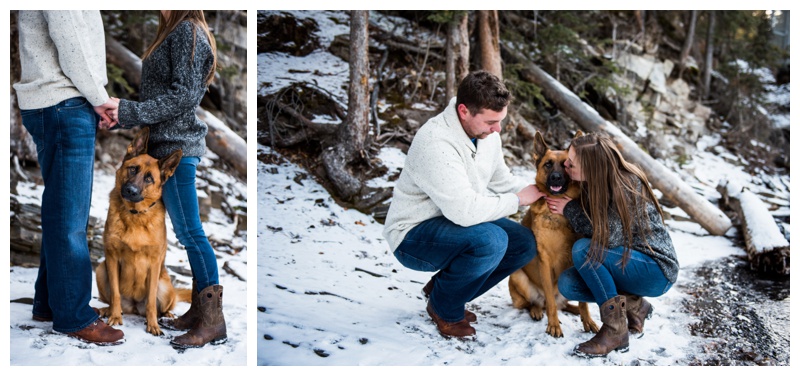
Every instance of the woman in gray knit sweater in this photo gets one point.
(626, 251)
(176, 71)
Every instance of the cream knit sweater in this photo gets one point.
(445, 174)
(63, 55)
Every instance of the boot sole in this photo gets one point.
(115, 343)
(590, 356)
(181, 346)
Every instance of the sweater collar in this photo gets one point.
(452, 121)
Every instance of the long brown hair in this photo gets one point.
(167, 24)
(610, 182)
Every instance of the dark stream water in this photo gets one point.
(743, 317)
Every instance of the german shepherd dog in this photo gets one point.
(535, 286)
(133, 277)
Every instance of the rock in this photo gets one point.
(283, 32)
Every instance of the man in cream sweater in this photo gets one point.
(450, 203)
(61, 98)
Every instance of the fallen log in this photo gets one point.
(673, 187)
(220, 138)
(767, 249)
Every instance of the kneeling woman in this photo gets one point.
(626, 252)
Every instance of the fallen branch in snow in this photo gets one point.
(767, 249)
(371, 273)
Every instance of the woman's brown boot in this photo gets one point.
(188, 319)
(637, 311)
(211, 324)
(613, 335)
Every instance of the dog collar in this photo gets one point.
(134, 211)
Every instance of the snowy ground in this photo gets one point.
(35, 343)
(331, 293)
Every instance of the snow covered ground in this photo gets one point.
(331, 293)
(35, 343)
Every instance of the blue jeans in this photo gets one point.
(64, 135)
(180, 198)
(600, 282)
(470, 260)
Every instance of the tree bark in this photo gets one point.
(687, 44)
(673, 188)
(709, 63)
(767, 249)
(457, 54)
(220, 138)
(489, 40)
(349, 144)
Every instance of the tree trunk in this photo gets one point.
(348, 146)
(687, 44)
(767, 249)
(457, 54)
(709, 63)
(220, 138)
(673, 188)
(489, 40)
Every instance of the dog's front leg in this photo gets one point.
(152, 300)
(546, 272)
(115, 305)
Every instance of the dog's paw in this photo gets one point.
(154, 330)
(555, 330)
(536, 313)
(104, 312)
(114, 320)
(590, 326)
(168, 315)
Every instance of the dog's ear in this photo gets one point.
(539, 147)
(139, 144)
(168, 164)
(578, 134)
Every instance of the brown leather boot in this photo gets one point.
(461, 329)
(613, 335)
(99, 333)
(189, 319)
(638, 309)
(468, 315)
(211, 325)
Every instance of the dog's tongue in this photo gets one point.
(555, 189)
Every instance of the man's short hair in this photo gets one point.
(480, 90)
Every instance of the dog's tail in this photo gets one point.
(184, 295)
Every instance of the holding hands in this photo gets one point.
(109, 113)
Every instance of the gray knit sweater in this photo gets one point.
(173, 84)
(659, 240)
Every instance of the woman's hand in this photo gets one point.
(557, 204)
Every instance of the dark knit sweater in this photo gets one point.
(173, 84)
(659, 240)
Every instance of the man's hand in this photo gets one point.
(529, 195)
(108, 113)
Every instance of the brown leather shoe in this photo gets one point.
(50, 319)
(468, 315)
(637, 311)
(100, 334)
(461, 329)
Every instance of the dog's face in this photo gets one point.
(551, 176)
(141, 177)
